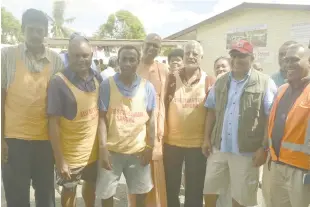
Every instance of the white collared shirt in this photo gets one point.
(107, 72)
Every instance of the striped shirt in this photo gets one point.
(33, 63)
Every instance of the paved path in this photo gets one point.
(120, 199)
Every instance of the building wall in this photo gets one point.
(213, 36)
(187, 36)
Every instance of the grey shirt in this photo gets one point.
(60, 99)
(285, 104)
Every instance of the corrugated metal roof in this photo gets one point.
(244, 5)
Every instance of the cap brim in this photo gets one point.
(240, 50)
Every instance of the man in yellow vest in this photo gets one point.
(126, 131)
(73, 122)
(288, 134)
(185, 115)
(26, 152)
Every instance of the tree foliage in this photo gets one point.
(166, 50)
(58, 20)
(122, 25)
(11, 28)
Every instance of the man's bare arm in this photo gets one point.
(102, 129)
(151, 129)
(265, 143)
(54, 136)
(209, 124)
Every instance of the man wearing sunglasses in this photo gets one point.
(238, 107)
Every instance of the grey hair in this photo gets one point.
(193, 43)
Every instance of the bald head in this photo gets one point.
(297, 62)
(80, 54)
(78, 40)
(151, 46)
(152, 37)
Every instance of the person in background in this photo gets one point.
(157, 74)
(288, 133)
(26, 151)
(185, 116)
(175, 59)
(73, 121)
(126, 131)
(96, 63)
(101, 65)
(64, 55)
(235, 149)
(280, 77)
(111, 69)
(257, 66)
(221, 66)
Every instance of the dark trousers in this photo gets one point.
(29, 160)
(195, 169)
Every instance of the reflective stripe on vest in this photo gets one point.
(305, 148)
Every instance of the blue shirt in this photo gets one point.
(104, 93)
(64, 57)
(278, 79)
(230, 125)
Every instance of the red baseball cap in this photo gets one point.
(242, 46)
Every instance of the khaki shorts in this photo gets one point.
(224, 169)
(287, 188)
(266, 185)
(138, 177)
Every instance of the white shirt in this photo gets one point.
(107, 73)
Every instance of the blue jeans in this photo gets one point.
(29, 160)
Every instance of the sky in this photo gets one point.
(164, 17)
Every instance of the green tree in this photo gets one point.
(121, 25)
(11, 28)
(166, 50)
(58, 20)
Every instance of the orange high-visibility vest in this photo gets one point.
(295, 144)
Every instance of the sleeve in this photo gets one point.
(270, 94)
(209, 83)
(54, 98)
(4, 69)
(104, 95)
(151, 96)
(210, 102)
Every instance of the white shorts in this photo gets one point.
(287, 188)
(138, 177)
(236, 171)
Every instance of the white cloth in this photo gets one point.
(107, 73)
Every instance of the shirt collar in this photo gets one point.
(245, 78)
(134, 83)
(40, 56)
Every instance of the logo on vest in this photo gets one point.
(92, 113)
(189, 102)
(126, 116)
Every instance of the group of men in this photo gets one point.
(144, 122)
